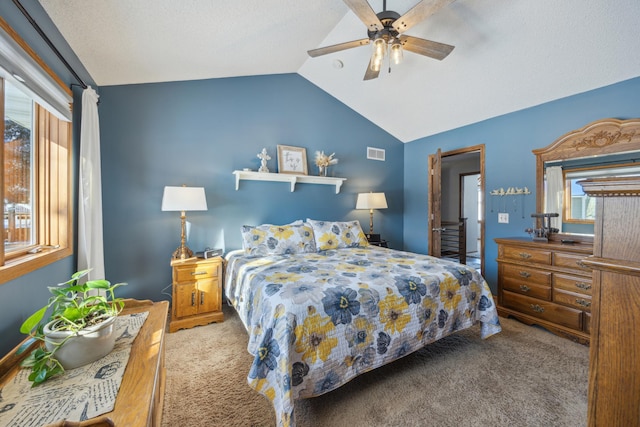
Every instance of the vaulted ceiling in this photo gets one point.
(509, 54)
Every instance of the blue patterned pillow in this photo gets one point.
(336, 235)
(270, 239)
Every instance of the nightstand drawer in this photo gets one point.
(527, 255)
(188, 273)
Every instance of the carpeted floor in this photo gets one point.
(523, 376)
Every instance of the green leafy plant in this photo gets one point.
(73, 307)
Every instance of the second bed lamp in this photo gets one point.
(371, 201)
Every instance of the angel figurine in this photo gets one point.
(263, 156)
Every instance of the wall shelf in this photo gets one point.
(285, 177)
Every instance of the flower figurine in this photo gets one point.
(323, 161)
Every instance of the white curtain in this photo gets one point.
(90, 244)
(554, 194)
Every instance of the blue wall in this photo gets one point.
(196, 133)
(508, 140)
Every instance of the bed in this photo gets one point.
(321, 306)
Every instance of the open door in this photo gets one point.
(435, 200)
(441, 205)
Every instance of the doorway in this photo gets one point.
(456, 191)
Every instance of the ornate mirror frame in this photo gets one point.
(600, 138)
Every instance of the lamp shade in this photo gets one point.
(371, 201)
(184, 199)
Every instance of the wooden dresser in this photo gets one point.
(614, 366)
(141, 395)
(546, 283)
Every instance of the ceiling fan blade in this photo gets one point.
(370, 74)
(424, 47)
(363, 10)
(419, 13)
(337, 47)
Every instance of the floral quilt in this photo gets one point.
(317, 320)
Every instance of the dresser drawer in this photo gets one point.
(525, 273)
(577, 284)
(531, 289)
(526, 280)
(545, 310)
(579, 301)
(573, 261)
(527, 255)
(194, 272)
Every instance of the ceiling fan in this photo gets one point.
(384, 31)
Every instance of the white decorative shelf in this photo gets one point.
(285, 177)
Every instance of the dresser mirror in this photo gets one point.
(607, 147)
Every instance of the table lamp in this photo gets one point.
(371, 201)
(183, 199)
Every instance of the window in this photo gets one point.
(579, 207)
(35, 174)
(18, 171)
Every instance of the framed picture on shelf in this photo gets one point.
(292, 160)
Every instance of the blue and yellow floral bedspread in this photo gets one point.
(317, 320)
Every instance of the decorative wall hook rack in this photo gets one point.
(510, 191)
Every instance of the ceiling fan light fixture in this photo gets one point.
(396, 51)
(379, 46)
(379, 51)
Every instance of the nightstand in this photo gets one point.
(381, 243)
(197, 292)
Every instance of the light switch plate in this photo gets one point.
(503, 218)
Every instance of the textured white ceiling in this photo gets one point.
(509, 55)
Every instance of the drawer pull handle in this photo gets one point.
(581, 264)
(525, 288)
(525, 255)
(193, 298)
(525, 274)
(201, 298)
(197, 273)
(536, 308)
(584, 286)
(583, 302)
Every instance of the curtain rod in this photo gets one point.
(35, 25)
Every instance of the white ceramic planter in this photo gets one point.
(87, 346)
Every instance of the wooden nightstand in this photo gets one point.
(381, 243)
(197, 292)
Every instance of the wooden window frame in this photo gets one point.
(53, 145)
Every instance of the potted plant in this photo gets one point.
(79, 329)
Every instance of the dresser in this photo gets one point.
(547, 284)
(197, 292)
(614, 359)
(140, 397)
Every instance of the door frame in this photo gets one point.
(480, 148)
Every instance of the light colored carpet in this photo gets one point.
(523, 376)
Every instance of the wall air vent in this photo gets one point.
(375, 154)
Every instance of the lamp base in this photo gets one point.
(182, 252)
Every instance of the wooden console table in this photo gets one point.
(141, 394)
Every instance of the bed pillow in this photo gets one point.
(268, 239)
(336, 235)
